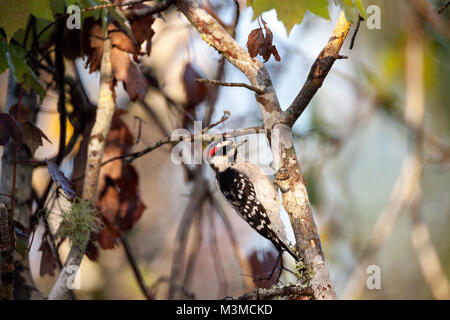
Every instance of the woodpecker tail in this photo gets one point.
(288, 263)
(288, 268)
(280, 245)
(285, 247)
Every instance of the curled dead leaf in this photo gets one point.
(257, 43)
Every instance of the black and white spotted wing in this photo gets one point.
(240, 193)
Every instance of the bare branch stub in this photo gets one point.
(444, 7)
(230, 84)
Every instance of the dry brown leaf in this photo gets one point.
(48, 260)
(9, 129)
(119, 201)
(32, 136)
(257, 43)
(124, 69)
(142, 31)
(196, 92)
(92, 43)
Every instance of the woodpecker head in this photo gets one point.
(221, 155)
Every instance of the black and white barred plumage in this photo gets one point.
(249, 191)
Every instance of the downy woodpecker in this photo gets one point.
(250, 192)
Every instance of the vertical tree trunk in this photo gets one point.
(96, 146)
(24, 287)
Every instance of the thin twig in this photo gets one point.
(190, 266)
(229, 84)
(174, 140)
(184, 291)
(195, 201)
(226, 115)
(356, 32)
(60, 84)
(444, 7)
(137, 273)
(217, 260)
(240, 255)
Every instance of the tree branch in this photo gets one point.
(215, 35)
(427, 12)
(137, 273)
(174, 140)
(147, 10)
(318, 72)
(444, 7)
(295, 197)
(230, 84)
(295, 292)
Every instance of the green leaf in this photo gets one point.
(352, 9)
(14, 14)
(21, 247)
(71, 2)
(360, 7)
(20, 71)
(57, 6)
(3, 61)
(290, 12)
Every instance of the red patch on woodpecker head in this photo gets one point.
(212, 151)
